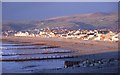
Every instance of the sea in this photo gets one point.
(27, 58)
(34, 58)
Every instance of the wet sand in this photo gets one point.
(79, 46)
(96, 50)
(90, 64)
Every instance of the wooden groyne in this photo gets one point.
(39, 58)
(13, 54)
(29, 48)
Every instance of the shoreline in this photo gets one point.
(79, 46)
(91, 52)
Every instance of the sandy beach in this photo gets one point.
(91, 51)
(80, 46)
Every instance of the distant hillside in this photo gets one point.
(79, 21)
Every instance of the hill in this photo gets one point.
(80, 21)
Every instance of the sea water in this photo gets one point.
(11, 50)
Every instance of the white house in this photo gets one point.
(115, 37)
(21, 34)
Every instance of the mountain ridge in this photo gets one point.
(79, 21)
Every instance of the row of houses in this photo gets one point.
(104, 35)
(24, 34)
(93, 35)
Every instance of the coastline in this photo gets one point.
(103, 51)
(81, 47)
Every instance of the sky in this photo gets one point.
(45, 10)
(60, 0)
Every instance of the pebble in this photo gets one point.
(99, 63)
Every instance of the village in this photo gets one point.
(100, 35)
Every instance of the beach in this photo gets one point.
(28, 55)
(79, 46)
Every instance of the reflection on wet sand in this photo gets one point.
(31, 58)
(23, 52)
